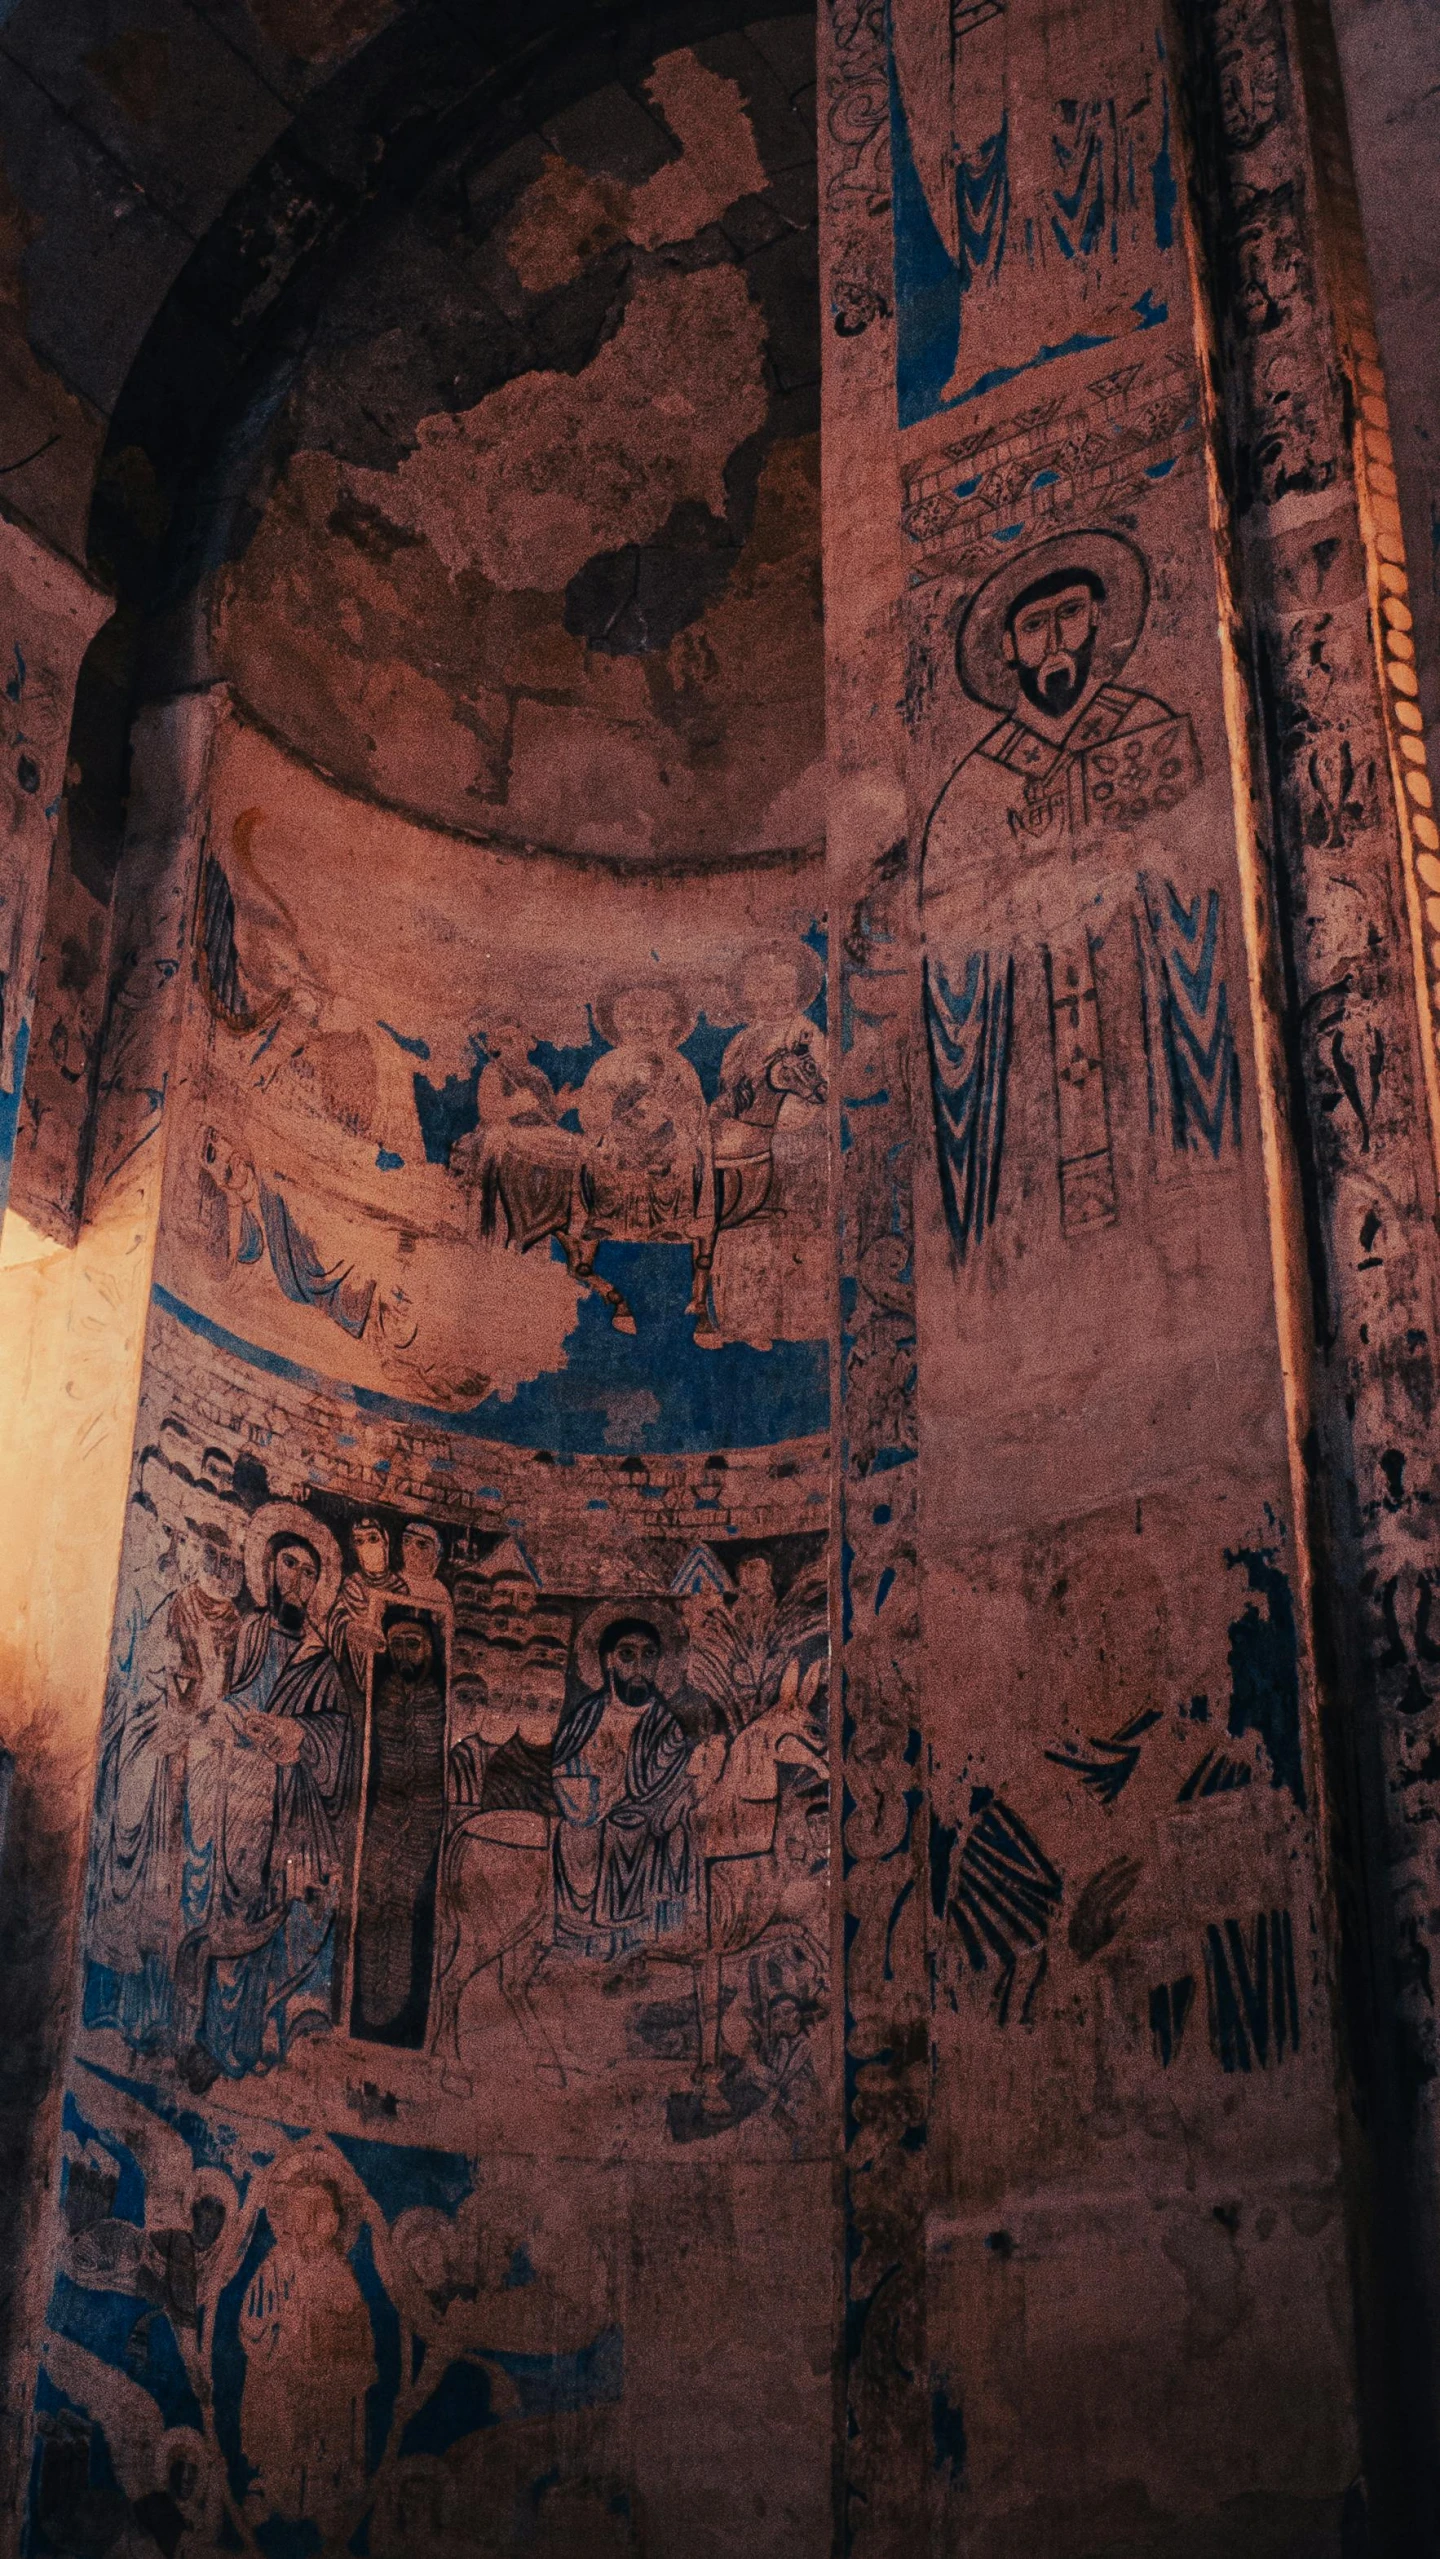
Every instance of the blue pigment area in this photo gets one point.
(463, 2400)
(398, 2177)
(10, 1112)
(654, 1390)
(128, 2334)
(128, 2203)
(1265, 1667)
(101, 2480)
(931, 284)
(384, 2320)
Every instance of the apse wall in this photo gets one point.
(452, 2104)
(449, 2133)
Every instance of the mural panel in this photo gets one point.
(1125, 1947)
(568, 1204)
(467, 1804)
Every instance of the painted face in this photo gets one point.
(296, 1574)
(1050, 643)
(541, 1689)
(634, 1665)
(372, 1552)
(1250, 90)
(754, 1578)
(409, 1649)
(221, 1570)
(420, 1553)
(182, 2477)
(207, 2220)
(308, 2214)
(646, 1013)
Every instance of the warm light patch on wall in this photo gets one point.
(1394, 625)
(20, 1242)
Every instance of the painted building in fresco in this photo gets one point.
(719, 1099)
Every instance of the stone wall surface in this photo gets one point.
(598, 1146)
(1390, 62)
(1106, 1524)
(50, 612)
(74, 1333)
(500, 1845)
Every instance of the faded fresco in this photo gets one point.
(530, 546)
(351, 2335)
(487, 1808)
(1126, 1958)
(552, 1789)
(426, 1774)
(266, 2340)
(456, 2012)
(594, 1225)
(464, 1772)
(655, 1977)
(1055, 194)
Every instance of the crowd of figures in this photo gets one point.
(382, 1791)
(215, 2368)
(546, 1148)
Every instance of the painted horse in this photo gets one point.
(547, 1181)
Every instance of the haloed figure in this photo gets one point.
(421, 1551)
(625, 1867)
(309, 2360)
(178, 1669)
(1049, 638)
(1043, 642)
(354, 1629)
(1075, 763)
(404, 1817)
(268, 1777)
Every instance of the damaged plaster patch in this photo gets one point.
(553, 467)
(718, 163)
(561, 221)
(319, 30)
(565, 217)
(464, 703)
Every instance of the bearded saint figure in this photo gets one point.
(626, 1874)
(269, 1775)
(1027, 838)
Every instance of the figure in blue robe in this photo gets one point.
(267, 1784)
(171, 1671)
(626, 1873)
